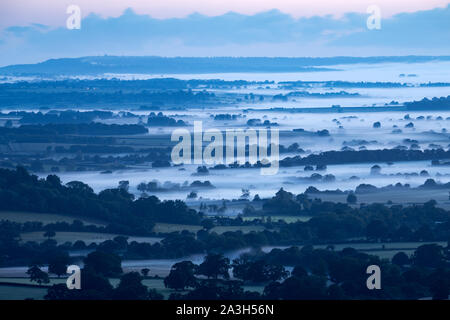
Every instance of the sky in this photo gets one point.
(52, 12)
(35, 30)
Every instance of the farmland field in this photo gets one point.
(287, 219)
(87, 237)
(18, 292)
(397, 197)
(244, 229)
(167, 228)
(45, 218)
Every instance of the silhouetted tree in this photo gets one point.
(131, 288)
(214, 265)
(181, 276)
(37, 275)
(351, 198)
(103, 263)
(400, 259)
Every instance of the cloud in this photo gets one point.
(407, 30)
(232, 34)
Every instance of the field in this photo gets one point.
(167, 228)
(45, 218)
(287, 219)
(87, 237)
(396, 196)
(383, 250)
(22, 288)
(20, 293)
(244, 229)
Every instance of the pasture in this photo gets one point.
(45, 218)
(287, 219)
(22, 288)
(87, 237)
(167, 228)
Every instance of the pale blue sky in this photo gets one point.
(419, 27)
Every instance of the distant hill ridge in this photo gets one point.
(171, 65)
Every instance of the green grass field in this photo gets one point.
(87, 237)
(21, 293)
(405, 197)
(375, 247)
(244, 229)
(167, 228)
(287, 219)
(45, 218)
(90, 237)
(389, 254)
(14, 292)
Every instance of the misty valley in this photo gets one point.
(349, 166)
